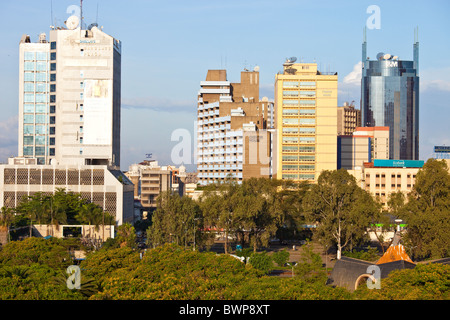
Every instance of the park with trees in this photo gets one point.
(180, 262)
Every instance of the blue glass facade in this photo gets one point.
(390, 98)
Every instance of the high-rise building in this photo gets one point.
(233, 128)
(69, 120)
(363, 145)
(69, 97)
(348, 119)
(306, 121)
(390, 98)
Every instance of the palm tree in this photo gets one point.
(6, 218)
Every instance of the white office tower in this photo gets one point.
(69, 120)
(69, 105)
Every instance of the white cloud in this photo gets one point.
(354, 77)
(160, 104)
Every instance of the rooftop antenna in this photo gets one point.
(81, 14)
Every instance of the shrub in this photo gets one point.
(261, 261)
(281, 257)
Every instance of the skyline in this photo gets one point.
(167, 51)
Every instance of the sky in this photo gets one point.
(168, 47)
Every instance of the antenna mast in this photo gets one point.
(81, 14)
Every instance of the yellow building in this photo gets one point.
(306, 121)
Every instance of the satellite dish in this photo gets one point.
(256, 68)
(387, 56)
(292, 59)
(73, 22)
(380, 55)
(395, 58)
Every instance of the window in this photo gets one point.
(29, 56)
(29, 76)
(28, 151)
(28, 87)
(52, 66)
(41, 66)
(41, 98)
(41, 77)
(41, 118)
(307, 121)
(52, 141)
(52, 130)
(81, 117)
(41, 87)
(53, 56)
(53, 45)
(40, 151)
(27, 129)
(28, 108)
(28, 140)
(52, 120)
(41, 56)
(53, 77)
(81, 129)
(52, 151)
(52, 98)
(53, 88)
(29, 66)
(40, 140)
(41, 129)
(41, 108)
(52, 109)
(28, 118)
(81, 140)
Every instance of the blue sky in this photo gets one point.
(168, 46)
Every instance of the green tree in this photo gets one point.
(341, 210)
(176, 219)
(280, 257)
(6, 219)
(218, 204)
(427, 212)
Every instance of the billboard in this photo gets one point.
(442, 149)
(398, 163)
(98, 105)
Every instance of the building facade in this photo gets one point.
(390, 97)
(348, 119)
(306, 121)
(69, 97)
(234, 137)
(383, 177)
(364, 145)
(108, 188)
(69, 120)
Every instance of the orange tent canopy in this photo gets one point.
(394, 253)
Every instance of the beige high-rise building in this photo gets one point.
(348, 119)
(233, 128)
(306, 121)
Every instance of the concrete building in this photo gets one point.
(390, 98)
(150, 180)
(306, 121)
(383, 177)
(107, 187)
(69, 97)
(348, 119)
(69, 120)
(364, 145)
(233, 128)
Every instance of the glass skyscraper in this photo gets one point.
(390, 98)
